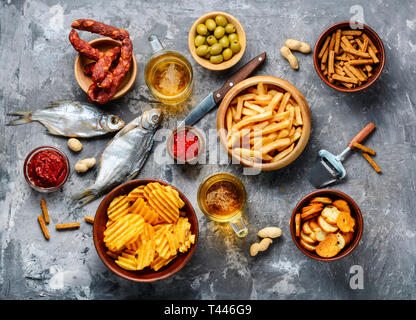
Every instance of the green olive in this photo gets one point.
(235, 46)
(202, 29)
(215, 49)
(211, 40)
(216, 59)
(199, 40)
(211, 25)
(232, 37)
(221, 21)
(219, 32)
(224, 42)
(202, 50)
(230, 28)
(227, 54)
(207, 56)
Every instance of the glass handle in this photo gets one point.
(239, 227)
(155, 43)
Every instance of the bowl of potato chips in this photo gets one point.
(264, 122)
(145, 230)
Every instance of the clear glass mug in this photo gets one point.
(168, 74)
(232, 216)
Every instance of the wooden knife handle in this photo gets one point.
(362, 134)
(238, 76)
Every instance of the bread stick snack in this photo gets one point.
(65, 226)
(89, 219)
(44, 210)
(348, 57)
(371, 162)
(43, 227)
(266, 125)
(326, 226)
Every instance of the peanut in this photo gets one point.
(285, 51)
(255, 248)
(297, 45)
(270, 232)
(85, 164)
(74, 144)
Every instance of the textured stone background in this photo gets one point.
(37, 67)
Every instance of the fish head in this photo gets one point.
(150, 119)
(112, 123)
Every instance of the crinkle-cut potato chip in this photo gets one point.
(134, 245)
(145, 254)
(124, 230)
(148, 233)
(146, 228)
(136, 193)
(162, 207)
(140, 207)
(160, 262)
(118, 208)
(127, 261)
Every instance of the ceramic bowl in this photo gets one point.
(377, 43)
(103, 44)
(147, 274)
(355, 213)
(279, 84)
(225, 64)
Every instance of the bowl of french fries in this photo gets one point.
(145, 230)
(349, 60)
(264, 122)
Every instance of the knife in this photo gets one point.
(211, 100)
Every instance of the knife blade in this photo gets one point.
(211, 100)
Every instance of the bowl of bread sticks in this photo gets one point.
(264, 122)
(349, 60)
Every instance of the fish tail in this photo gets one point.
(84, 197)
(24, 118)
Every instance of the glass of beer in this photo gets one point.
(168, 74)
(221, 197)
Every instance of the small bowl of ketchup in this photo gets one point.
(185, 145)
(46, 169)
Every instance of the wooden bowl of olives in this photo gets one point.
(217, 41)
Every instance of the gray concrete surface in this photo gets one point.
(37, 67)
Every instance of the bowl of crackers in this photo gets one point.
(145, 230)
(326, 225)
(349, 60)
(264, 123)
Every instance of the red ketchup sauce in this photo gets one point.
(185, 145)
(47, 168)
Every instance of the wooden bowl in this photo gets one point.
(280, 84)
(374, 38)
(103, 44)
(225, 64)
(146, 275)
(355, 213)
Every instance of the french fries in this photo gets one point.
(348, 57)
(267, 124)
(146, 228)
